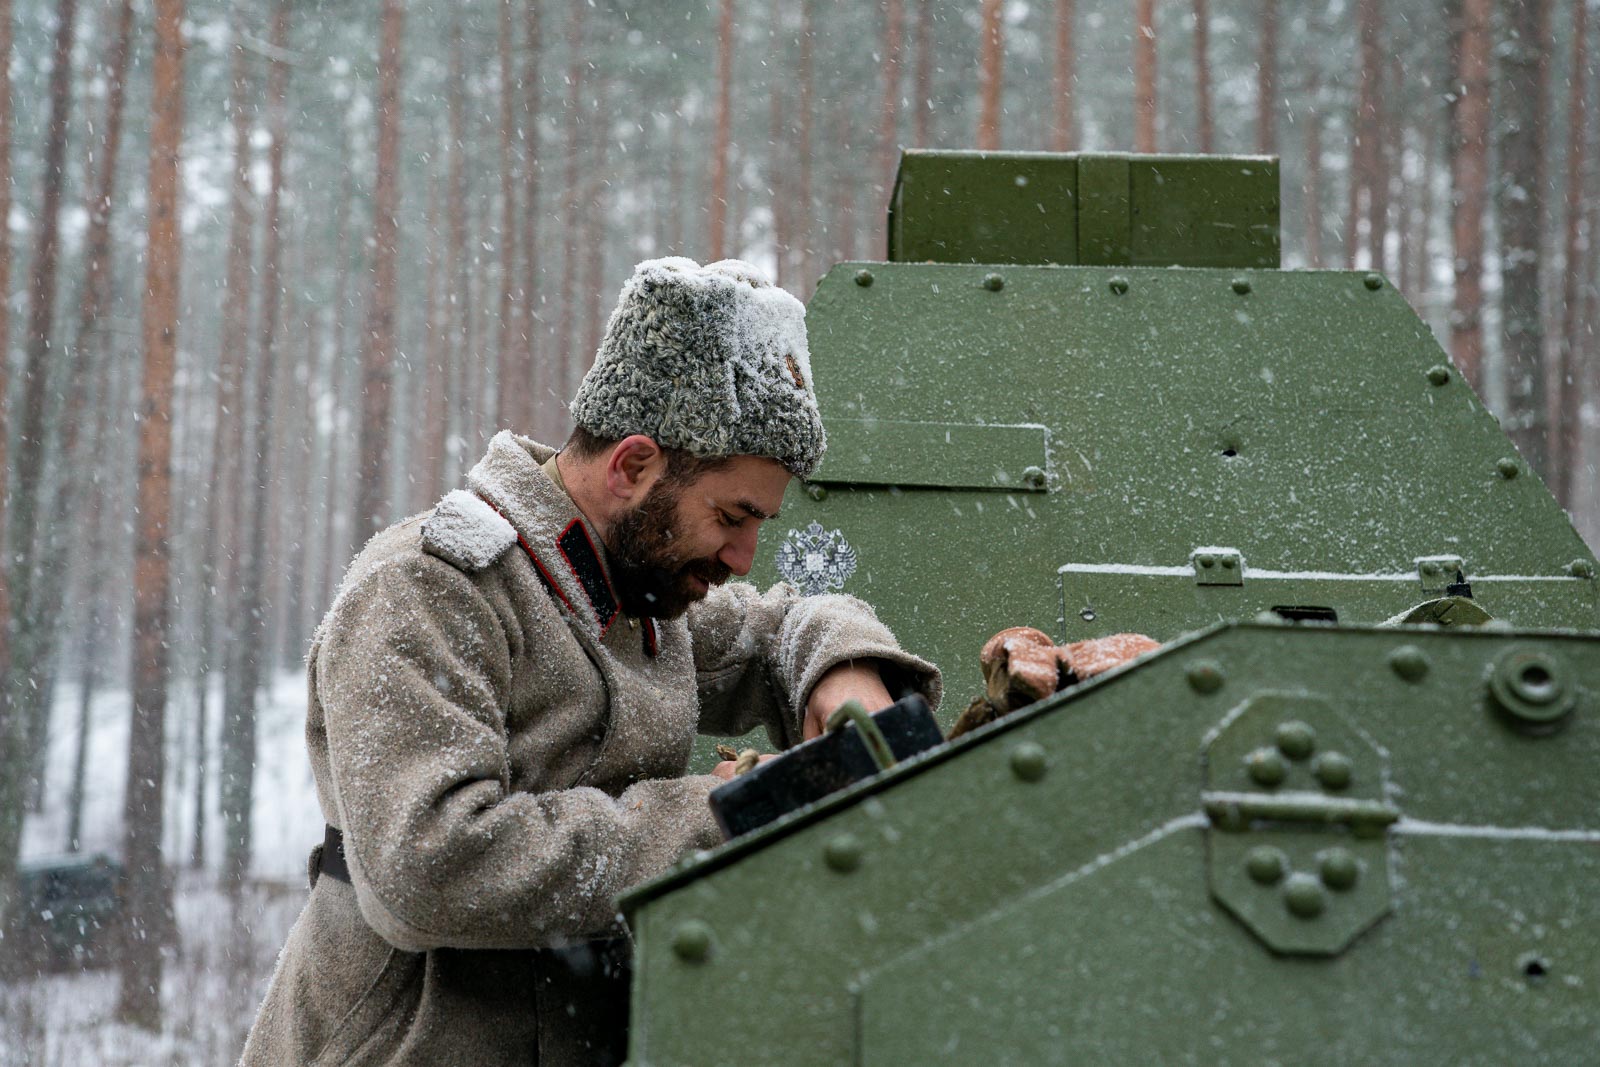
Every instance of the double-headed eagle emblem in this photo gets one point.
(815, 560)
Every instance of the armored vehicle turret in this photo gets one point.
(1080, 395)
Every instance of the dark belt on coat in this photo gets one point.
(596, 973)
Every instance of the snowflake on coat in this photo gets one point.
(815, 560)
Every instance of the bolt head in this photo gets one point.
(1373, 281)
(1408, 662)
(1033, 477)
(1206, 559)
(863, 278)
(1241, 285)
(1339, 869)
(691, 941)
(1581, 568)
(1304, 895)
(1266, 767)
(1439, 375)
(817, 492)
(1506, 467)
(1205, 676)
(1119, 285)
(1029, 761)
(842, 853)
(1266, 865)
(993, 282)
(1333, 770)
(1295, 739)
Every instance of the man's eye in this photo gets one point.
(730, 520)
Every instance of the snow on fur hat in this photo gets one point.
(708, 359)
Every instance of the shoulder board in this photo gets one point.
(465, 531)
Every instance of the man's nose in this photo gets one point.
(739, 553)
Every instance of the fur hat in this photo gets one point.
(708, 359)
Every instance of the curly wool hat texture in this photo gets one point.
(710, 359)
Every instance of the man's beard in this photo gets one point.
(651, 579)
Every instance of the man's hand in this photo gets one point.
(728, 768)
(855, 680)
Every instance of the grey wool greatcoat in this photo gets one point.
(505, 753)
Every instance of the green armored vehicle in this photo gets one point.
(1081, 396)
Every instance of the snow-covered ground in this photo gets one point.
(216, 975)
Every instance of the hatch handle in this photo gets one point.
(851, 711)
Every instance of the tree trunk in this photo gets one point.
(1470, 181)
(1267, 81)
(13, 735)
(435, 356)
(991, 75)
(777, 157)
(1313, 121)
(565, 347)
(1519, 192)
(247, 623)
(1144, 77)
(1202, 75)
(147, 904)
(1064, 122)
(806, 233)
(507, 357)
(596, 212)
(527, 391)
(377, 362)
(924, 99)
(80, 749)
(719, 149)
(1570, 373)
(28, 494)
(889, 111)
(1365, 150)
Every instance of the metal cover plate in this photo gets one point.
(944, 455)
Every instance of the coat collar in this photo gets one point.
(564, 547)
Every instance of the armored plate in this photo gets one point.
(1080, 882)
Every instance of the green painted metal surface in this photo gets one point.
(1133, 210)
(1345, 840)
(1297, 422)
(1066, 910)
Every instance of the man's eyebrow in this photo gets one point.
(756, 512)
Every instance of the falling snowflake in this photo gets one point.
(816, 560)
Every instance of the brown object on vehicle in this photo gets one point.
(1021, 665)
(742, 760)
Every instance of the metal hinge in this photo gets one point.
(1437, 572)
(1217, 566)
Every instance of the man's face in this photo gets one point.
(669, 550)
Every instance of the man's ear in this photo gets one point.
(633, 467)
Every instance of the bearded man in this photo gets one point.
(504, 695)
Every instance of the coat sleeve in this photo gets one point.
(759, 655)
(411, 672)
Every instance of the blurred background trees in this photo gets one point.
(397, 227)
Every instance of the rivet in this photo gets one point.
(1028, 761)
(1534, 967)
(1439, 375)
(1581, 568)
(816, 492)
(1531, 687)
(1119, 285)
(691, 941)
(1266, 767)
(1408, 662)
(1373, 281)
(1295, 739)
(1033, 477)
(1241, 285)
(1266, 864)
(1333, 770)
(1430, 569)
(1205, 676)
(1206, 559)
(1228, 563)
(842, 853)
(1338, 868)
(1506, 467)
(993, 282)
(1304, 895)
(863, 278)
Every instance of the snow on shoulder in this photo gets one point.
(465, 531)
